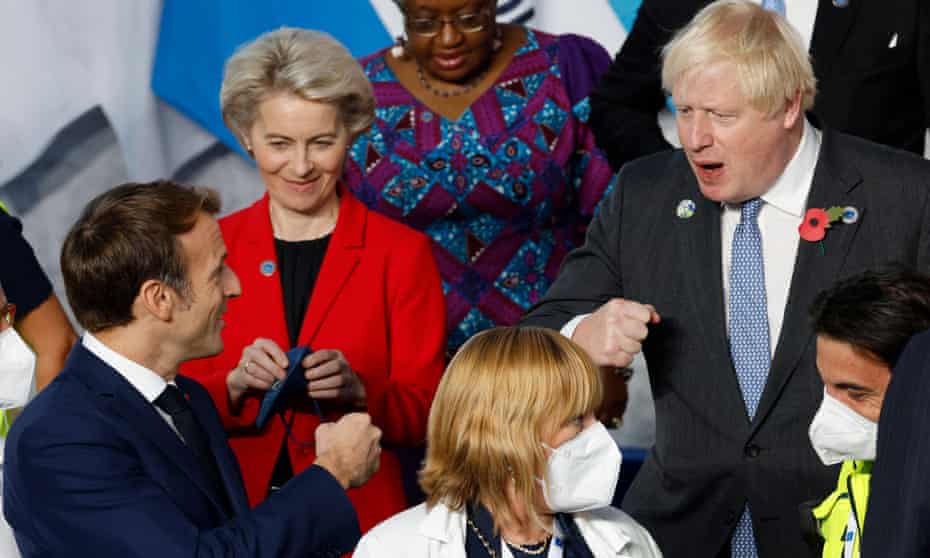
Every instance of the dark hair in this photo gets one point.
(124, 237)
(876, 311)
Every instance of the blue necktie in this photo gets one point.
(774, 6)
(749, 336)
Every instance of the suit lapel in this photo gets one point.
(701, 251)
(831, 28)
(225, 460)
(120, 398)
(341, 259)
(817, 266)
(256, 273)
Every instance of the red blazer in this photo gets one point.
(378, 299)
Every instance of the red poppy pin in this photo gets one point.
(817, 220)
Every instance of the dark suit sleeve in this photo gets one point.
(95, 488)
(590, 275)
(898, 515)
(625, 105)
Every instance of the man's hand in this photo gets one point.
(614, 333)
(349, 449)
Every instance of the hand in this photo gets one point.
(262, 363)
(330, 377)
(614, 333)
(349, 449)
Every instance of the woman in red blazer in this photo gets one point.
(318, 269)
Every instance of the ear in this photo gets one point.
(157, 299)
(793, 111)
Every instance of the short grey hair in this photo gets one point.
(770, 58)
(309, 64)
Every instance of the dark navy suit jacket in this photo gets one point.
(92, 469)
(897, 521)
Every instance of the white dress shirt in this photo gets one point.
(779, 218)
(147, 382)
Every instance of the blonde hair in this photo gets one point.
(309, 64)
(502, 394)
(770, 61)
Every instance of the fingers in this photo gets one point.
(262, 363)
(349, 448)
(614, 333)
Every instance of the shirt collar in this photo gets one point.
(789, 191)
(146, 381)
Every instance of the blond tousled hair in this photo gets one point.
(770, 59)
(504, 391)
(308, 64)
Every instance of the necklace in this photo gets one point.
(455, 92)
(526, 549)
(531, 549)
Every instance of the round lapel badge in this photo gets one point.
(685, 209)
(267, 268)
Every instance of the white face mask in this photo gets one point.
(839, 434)
(583, 472)
(17, 369)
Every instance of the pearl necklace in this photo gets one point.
(455, 92)
(522, 548)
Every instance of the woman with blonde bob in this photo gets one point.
(516, 464)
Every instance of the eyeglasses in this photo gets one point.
(463, 23)
(7, 315)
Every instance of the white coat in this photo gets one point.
(440, 533)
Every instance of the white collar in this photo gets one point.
(789, 191)
(146, 381)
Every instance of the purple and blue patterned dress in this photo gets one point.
(505, 191)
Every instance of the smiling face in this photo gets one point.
(855, 379)
(299, 147)
(199, 321)
(735, 151)
(452, 55)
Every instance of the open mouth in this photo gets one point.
(449, 63)
(708, 171)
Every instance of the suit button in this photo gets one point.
(752, 451)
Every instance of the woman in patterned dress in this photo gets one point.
(481, 141)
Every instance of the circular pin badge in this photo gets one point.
(841, 3)
(850, 215)
(267, 268)
(685, 209)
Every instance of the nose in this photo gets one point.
(303, 164)
(232, 287)
(696, 133)
(448, 33)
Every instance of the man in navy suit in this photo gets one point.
(122, 457)
(707, 259)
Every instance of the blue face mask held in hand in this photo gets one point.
(294, 384)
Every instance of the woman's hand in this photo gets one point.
(262, 363)
(330, 377)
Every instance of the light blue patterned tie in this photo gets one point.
(749, 336)
(774, 6)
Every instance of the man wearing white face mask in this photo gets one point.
(862, 325)
(17, 373)
(516, 464)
